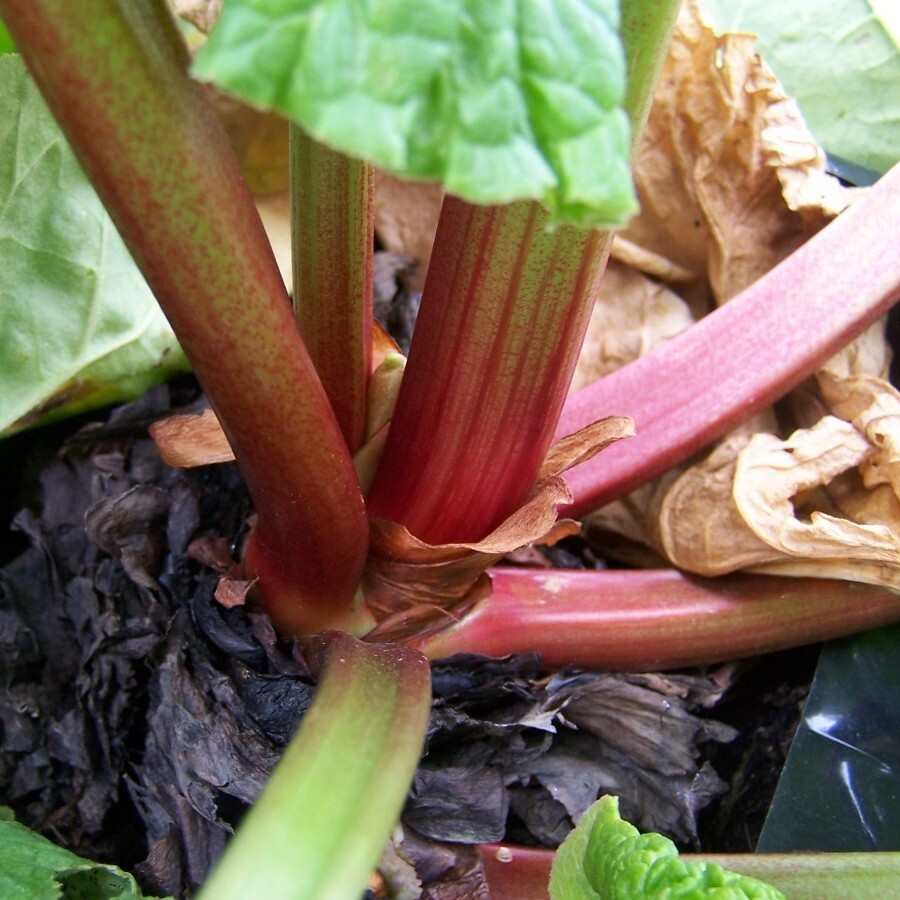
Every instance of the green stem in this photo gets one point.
(320, 825)
(647, 620)
(647, 25)
(332, 234)
(817, 876)
(113, 74)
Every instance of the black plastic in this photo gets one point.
(840, 788)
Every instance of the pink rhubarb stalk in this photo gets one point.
(695, 388)
(647, 620)
(113, 73)
(332, 236)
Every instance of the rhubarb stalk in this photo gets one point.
(523, 873)
(320, 825)
(658, 618)
(698, 386)
(503, 313)
(113, 74)
(332, 229)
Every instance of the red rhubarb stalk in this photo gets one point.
(332, 222)
(504, 310)
(697, 387)
(648, 620)
(113, 73)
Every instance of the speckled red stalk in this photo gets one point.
(647, 620)
(332, 230)
(697, 387)
(113, 74)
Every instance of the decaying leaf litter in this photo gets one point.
(181, 706)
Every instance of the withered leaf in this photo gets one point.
(185, 441)
(632, 314)
(729, 178)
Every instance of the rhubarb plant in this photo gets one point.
(528, 114)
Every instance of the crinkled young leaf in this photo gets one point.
(606, 858)
(33, 868)
(78, 324)
(512, 99)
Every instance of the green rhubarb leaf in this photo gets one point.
(840, 61)
(33, 868)
(507, 100)
(78, 325)
(606, 858)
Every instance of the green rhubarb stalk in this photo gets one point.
(332, 228)
(504, 311)
(321, 823)
(693, 389)
(647, 620)
(113, 74)
(816, 876)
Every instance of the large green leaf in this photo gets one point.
(505, 100)
(839, 60)
(33, 868)
(78, 324)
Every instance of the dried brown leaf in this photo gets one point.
(584, 444)
(632, 314)
(187, 441)
(698, 527)
(231, 592)
(796, 506)
(202, 14)
(873, 407)
(275, 212)
(729, 178)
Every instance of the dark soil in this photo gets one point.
(139, 718)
